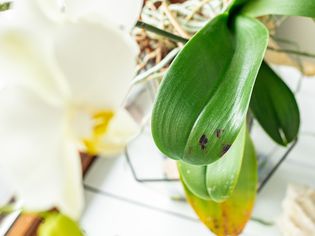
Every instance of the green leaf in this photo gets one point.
(215, 181)
(204, 98)
(236, 5)
(274, 106)
(56, 224)
(231, 216)
(255, 8)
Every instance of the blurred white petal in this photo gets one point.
(53, 9)
(49, 67)
(121, 129)
(71, 199)
(25, 60)
(123, 13)
(36, 159)
(29, 15)
(97, 61)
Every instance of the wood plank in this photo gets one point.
(25, 225)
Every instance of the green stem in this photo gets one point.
(161, 32)
(177, 38)
(263, 222)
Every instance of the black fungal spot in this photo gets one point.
(219, 133)
(225, 148)
(203, 141)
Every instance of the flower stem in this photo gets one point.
(263, 222)
(161, 32)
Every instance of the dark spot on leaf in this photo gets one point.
(225, 148)
(219, 133)
(203, 141)
(216, 224)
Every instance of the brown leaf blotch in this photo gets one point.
(225, 149)
(203, 142)
(219, 133)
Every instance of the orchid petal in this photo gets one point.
(121, 130)
(31, 137)
(91, 57)
(36, 157)
(25, 60)
(53, 9)
(29, 15)
(124, 13)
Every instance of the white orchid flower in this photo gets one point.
(62, 82)
(123, 13)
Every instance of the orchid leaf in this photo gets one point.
(274, 106)
(204, 97)
(231, 216)
(217, 180)
(236, 5)
(255, 8)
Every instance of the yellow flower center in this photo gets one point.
(101, 121)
